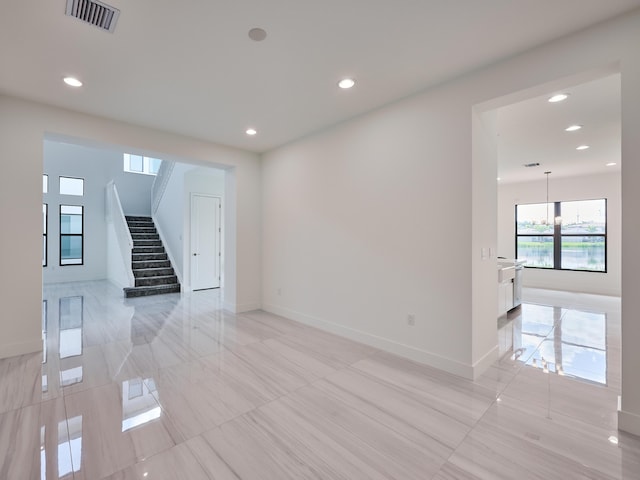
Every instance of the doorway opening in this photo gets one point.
(523, 136)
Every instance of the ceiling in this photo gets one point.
(190, 68)
(533, 131)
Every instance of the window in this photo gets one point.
(136, 163)
(563, 235)
(45, 183)
(44, 233)
(140, 164)
(71, 186)
(71, 234)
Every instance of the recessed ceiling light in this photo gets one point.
(498, 178)
(559, 97)
(573, 128)
(72, 81)
(582, 147)
(251, 131)
(611, 164)
(346, 83)
(613, 440)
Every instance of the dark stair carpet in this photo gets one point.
(149, 261)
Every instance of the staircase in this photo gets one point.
(151, 266)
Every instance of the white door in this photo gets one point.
(205, 241)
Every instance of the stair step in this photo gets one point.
(153, 272)
(134, 225)
(150, 281)
(143, 257)
(142, 229)
(147, 243)
(151, 264)
(130, 292)
(139, 219)
(145, 236)
(144, 223)
(148, 250)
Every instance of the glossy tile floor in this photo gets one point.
(173, 387)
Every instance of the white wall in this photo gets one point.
(134, 189)
(23, 127)
(484, 305)
(170, 218)
(586, 187)
(629, 414)
(371, 221)
(117, 272)
(374, 218)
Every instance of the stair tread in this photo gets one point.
(151, 269)
(161, 277)
(156, 280)
(153, 272)
(164, 286)
(151, 290)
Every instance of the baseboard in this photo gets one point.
(23, 348)
(421, 356)
(555, 288)
(115, 283)
(241, 307)
(629, 422)
(485, 362)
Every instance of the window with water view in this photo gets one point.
(563, 235)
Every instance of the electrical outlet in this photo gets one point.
(411, 319)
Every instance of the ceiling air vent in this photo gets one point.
(93, 12)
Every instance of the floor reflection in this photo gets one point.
(148, 321)
(71, 319)
(559, 340)
(75, 445)
(64, 364)
(139, 406)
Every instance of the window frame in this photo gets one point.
(146, 164)
(60, 177)
(81, 235)
(558, 235)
